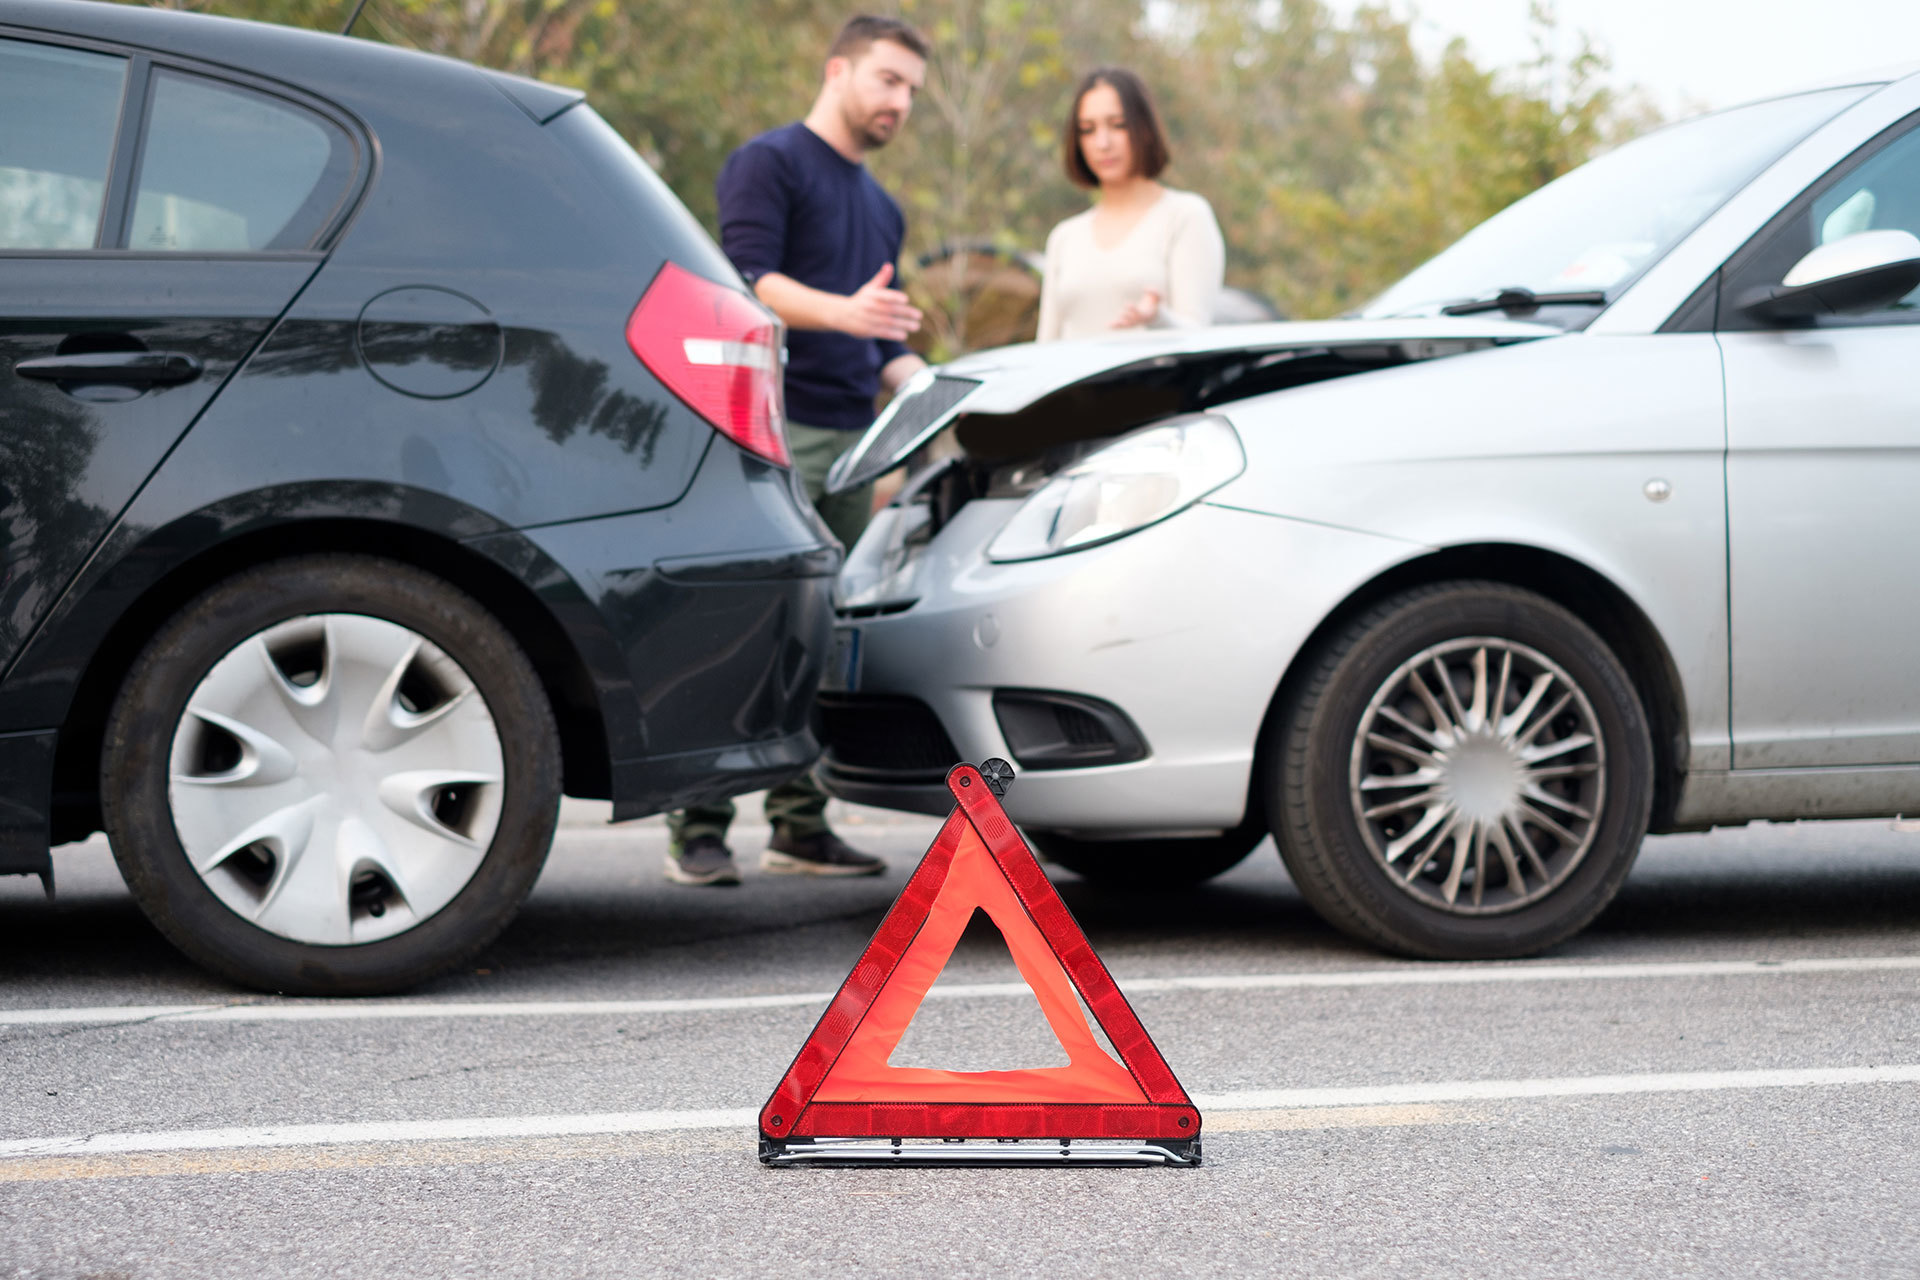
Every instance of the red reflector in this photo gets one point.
(842, 1085)
(719, 351)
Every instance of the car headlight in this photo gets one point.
(1138, 480)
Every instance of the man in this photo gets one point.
(818, 238)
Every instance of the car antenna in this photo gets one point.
(353, 18)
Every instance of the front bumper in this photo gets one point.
(1186, 627)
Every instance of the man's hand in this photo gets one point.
(875, 311)
(1140, 311)
(872, 311)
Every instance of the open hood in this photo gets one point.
(1015, 401)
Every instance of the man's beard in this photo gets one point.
(867, 131)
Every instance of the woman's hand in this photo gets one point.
(1140, 311)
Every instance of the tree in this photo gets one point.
(1336, 158)
(1338, 161)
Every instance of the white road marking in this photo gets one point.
(1449, 975)
(313, 1135)
(1555, 1087)
(349, 1010)
(1271, 1120)
(1425, 975)
(622, 1122)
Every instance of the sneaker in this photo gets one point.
(702, 860)
(823, 855)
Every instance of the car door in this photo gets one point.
(1823, 490)
(154, 222)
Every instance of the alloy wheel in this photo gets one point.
(1477, 775)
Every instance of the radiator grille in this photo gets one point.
(907, 423)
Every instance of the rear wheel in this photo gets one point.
(331, 775)
(1144, 864)
(1465, 773)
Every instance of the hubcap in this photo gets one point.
(336, 779)
(1478, 776)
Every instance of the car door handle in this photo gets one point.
(119, 368)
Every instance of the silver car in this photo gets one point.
(1600, 522)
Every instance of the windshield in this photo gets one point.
(1600, 226)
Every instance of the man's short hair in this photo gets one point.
(863, 29)
(1150, 153)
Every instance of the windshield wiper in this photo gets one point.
(1518, 300)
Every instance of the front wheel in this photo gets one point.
(331, 775)
(1464, 773)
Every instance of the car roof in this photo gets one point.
(323, 61)
(1876, 76)
(172, 30)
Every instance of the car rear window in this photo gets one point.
(62, 109)
(226, 170)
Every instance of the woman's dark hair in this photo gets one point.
(1143, 126)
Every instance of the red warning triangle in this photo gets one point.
(841, 1086)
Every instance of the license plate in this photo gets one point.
(843, 667)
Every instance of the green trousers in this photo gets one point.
(797, 808)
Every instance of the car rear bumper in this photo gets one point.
(657, 783)
(714, 617)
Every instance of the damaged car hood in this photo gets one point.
(1016, 400)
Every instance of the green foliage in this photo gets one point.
(1422, 155)
(1336, 158)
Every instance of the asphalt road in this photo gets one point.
(1721, 1077)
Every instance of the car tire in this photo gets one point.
(1150, 863)
(331, 775)
(1489, 822)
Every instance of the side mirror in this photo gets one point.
(1854, 274)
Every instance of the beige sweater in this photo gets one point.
(1175, 249)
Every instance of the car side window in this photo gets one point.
(62, 111)
(1875, 191)
(227, 170)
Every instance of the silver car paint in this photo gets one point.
(1823, 475)
(1554, 444)
(1512, 446)
(1195, 679)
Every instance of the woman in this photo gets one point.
(1144, 255)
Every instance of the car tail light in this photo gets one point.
(719, 351)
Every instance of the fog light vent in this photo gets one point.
(1047, 730)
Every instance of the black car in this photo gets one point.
(384, 451)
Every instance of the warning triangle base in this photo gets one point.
(993, 1153)
(843, 1102)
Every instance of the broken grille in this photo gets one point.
(910, 421)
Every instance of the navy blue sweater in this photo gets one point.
(792, 204)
